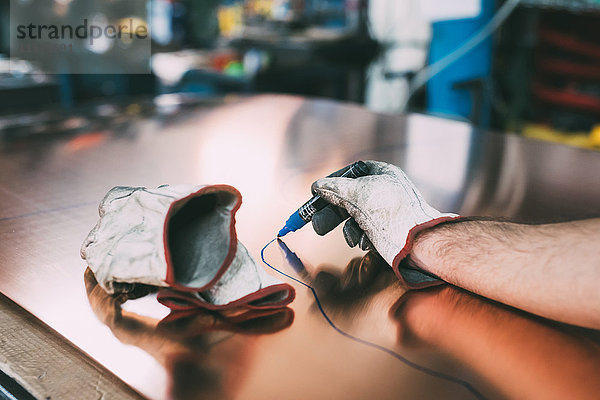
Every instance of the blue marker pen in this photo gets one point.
(305, 213)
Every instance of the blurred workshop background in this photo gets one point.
(529, 67)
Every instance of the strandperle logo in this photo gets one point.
(81, 36)
(82, 31)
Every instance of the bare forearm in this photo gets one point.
(551, 270)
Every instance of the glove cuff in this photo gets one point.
(409, 274)
(243, 285)
(170, 278)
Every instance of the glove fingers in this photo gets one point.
(354, 235)
(328, 218)
(352, 232)
(365, 243)
(116, 193)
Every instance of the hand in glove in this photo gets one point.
(386, 210)
(183, 238)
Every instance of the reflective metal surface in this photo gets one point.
(271, 149)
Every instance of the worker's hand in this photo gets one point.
(386, 211)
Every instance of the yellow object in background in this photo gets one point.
(231, 20)
(595, 136)
(577, 139)
(260, 7)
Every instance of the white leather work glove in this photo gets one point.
(386, 212)
(181, 237)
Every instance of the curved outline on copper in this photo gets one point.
(407, 362)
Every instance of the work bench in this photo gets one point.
(59, 341)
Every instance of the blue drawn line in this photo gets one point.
(50, 210)
(406, 361)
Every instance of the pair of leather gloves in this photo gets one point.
(182, 239)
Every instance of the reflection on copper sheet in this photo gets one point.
(272, 148)
(201, 351)
(522, 355)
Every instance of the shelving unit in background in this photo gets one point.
(547, 72)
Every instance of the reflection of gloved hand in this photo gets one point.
(182, 237)
(386, 211)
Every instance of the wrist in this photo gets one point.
(410, 269)
(428, 247)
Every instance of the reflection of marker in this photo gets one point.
(304, 214)
(291, 257)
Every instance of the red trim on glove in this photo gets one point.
(192, 323)
(173, 299)
(410, 238)
(170, 278)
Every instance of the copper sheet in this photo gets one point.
(271, 149)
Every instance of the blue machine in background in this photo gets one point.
(460, 89)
